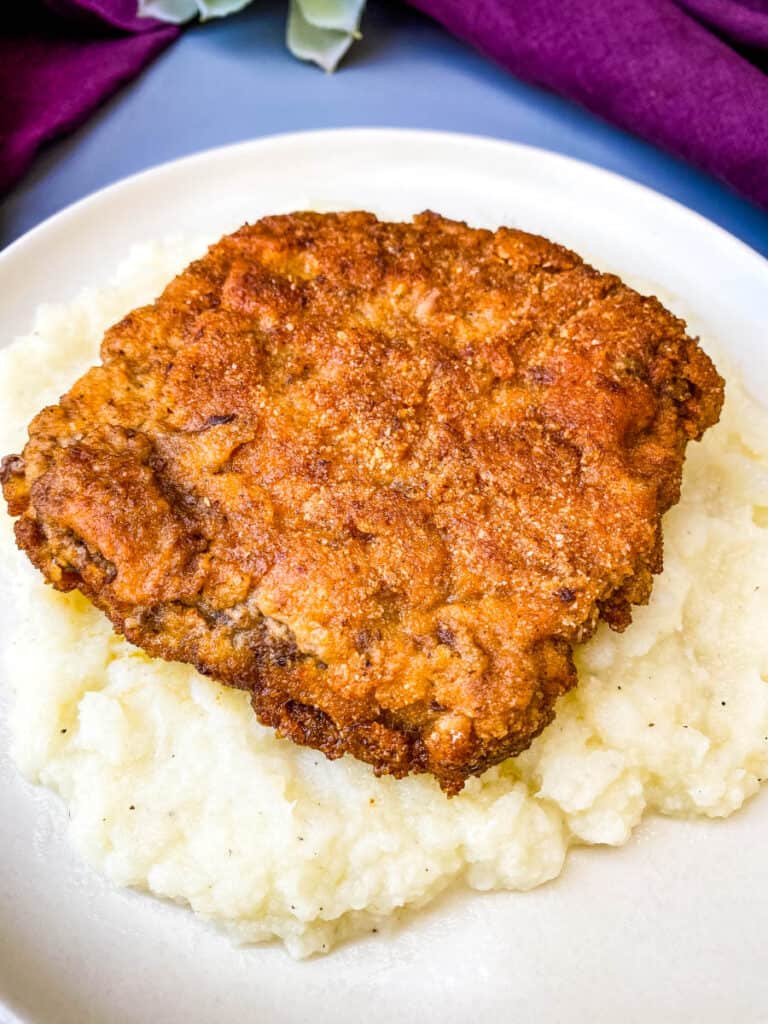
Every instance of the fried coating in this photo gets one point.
(382, 476)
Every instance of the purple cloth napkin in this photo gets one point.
(59, 59)
(688, 75)
(684, 74)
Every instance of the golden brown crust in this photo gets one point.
(383, 476)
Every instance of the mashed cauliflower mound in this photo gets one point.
(173, 786)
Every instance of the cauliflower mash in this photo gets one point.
(172, 785)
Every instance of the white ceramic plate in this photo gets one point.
(668, 928)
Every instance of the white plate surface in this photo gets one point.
(669, 928)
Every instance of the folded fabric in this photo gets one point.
(59, 59)
(683, 74)
(687, 75)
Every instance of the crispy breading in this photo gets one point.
(382, 476)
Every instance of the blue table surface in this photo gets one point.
(233, 79)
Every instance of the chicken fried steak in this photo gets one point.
(382, 476)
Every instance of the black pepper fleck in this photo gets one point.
(445, 635)
(215, 421)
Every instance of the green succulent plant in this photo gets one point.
(318, 30)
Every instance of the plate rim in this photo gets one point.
(479, 140)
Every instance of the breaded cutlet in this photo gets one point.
(382, 476)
